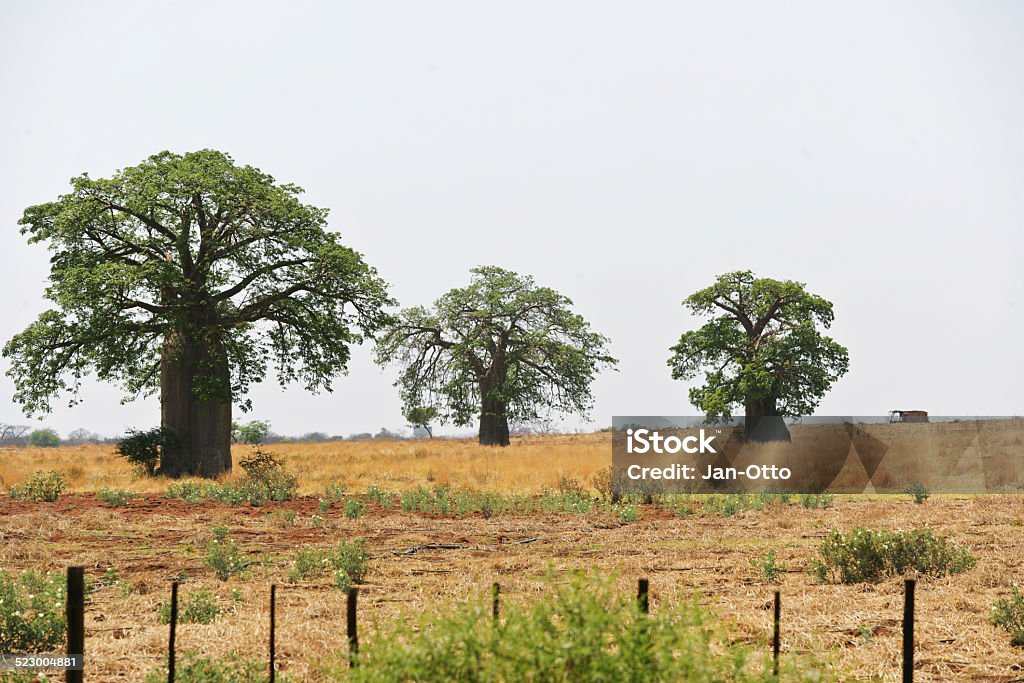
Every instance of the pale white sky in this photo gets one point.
(622, 153)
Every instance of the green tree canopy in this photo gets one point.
(192, 275)
(502, 349)
(44, 438)
(762, 349)
(421, 417)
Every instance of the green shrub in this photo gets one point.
(190, 668)
(189, 491)
(769, 566)
(347, 562)
(266, 475)
(383, 498)
(44, 438)
(200, 607)
(143, 448)
(627, 512)
(816, 501)
(32, 611)
(40, 487)
(864, 555)
(354, 509)
(581, 632)
(422, 499)
(1008, 613)
(251, 433)
(919, 491)
(223, 555)
(334, 492)
(116, 497)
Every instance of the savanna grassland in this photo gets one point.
(443, 520)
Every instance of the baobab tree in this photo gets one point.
(762, 350)
(502, 349)
(191, 275)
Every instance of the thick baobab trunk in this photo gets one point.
(493, 419)
(763, 422)
(200, 422)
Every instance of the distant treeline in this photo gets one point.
(24, 435)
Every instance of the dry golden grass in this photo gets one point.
(154, 539)
(527, 466)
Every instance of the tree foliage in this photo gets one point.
(421, 417)
(190, 246)
(44, 438)
(253, 432)
(762, 348)
(502, 348)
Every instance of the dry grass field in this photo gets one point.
(153, 539)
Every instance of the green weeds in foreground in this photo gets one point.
(583, 632)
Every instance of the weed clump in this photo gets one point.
(32, 611)
(583, 632)
(41, 487)
(201, 607)
(865, 555)
(1008, 613)
(223, 555)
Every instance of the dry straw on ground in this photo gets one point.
(154, 539)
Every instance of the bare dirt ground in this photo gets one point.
(856, 628)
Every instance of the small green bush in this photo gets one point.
(40, 487)
(200, 607)
(334, 492)
(143, 448)
(769, 566)
(1008, 613)
(347, 563)
(189, 491)
(44, 438)
(354, 509)
(191, 668)
(223, 555)
(32, 611)
(583, 631)
(116, 497)
(919, 491)
(816, 501)
(383, 498)
(627, 512)
(864, 555)
(266, 470)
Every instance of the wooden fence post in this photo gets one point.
(775, 633)
(170, 638)
(273, 595)
(641, 596)
(495, 592)
(353, 635)
(76, 620)
(908, 631)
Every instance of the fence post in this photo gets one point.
(353, 636)
(170, 638)
(495, 592)
(641, 596)
(273, 595)
(775, 633)
(908, 631)
(76, 620)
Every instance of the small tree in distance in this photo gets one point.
(44, 438)
(421, 417)
(253, 432)
(502, 349)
